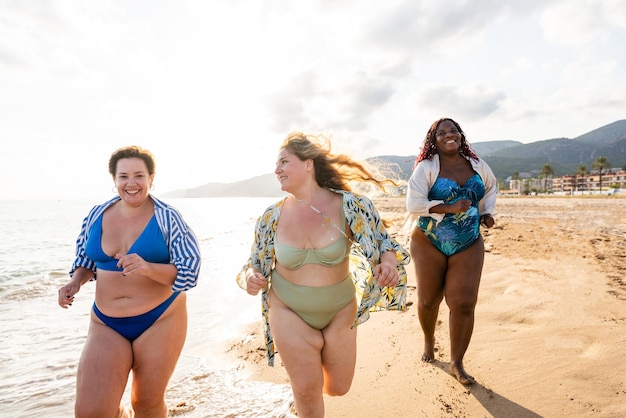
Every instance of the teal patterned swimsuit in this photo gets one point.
(456, 231)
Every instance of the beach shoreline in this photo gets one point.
(550, 324)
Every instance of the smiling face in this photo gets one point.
(447, 137)
(132, 180)
(291, 171)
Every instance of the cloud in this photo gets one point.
(318, 101)
(361, 98)
(582, 22)
(289, 107)
(424, 26)
(178, 76)
(467, 102)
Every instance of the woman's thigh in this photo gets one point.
(103, 370)
(299, 346)
(430, 268)
(464, 273)
(157, 350)
(340, 349)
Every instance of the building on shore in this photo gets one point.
(613, 178)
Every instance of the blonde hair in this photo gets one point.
(334, 171)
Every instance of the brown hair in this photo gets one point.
(333, 171)
(429, 147)
(132, 151)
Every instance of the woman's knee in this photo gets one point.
(430, 303)
(337, 388)
(95, 410)
(148, 404)
(307, 391)
(461, 305)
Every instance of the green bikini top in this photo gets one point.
(293, 258)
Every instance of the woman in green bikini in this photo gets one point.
(322, 259)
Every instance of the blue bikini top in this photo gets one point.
(150, 245)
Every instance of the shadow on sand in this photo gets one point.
(497, 405)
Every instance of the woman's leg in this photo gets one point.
(156, 353)
(461, 292)
(300, 349)
(430, 269)
(339, 352)
(102, 373)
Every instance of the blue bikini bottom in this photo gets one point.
(131, 327)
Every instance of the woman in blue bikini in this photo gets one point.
(145, 257)
(450, 193)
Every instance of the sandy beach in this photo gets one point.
(550, 332)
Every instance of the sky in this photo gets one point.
(213, 87)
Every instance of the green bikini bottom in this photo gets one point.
(316, 305)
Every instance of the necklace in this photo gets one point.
(324, 216)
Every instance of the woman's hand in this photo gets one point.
(385, 272)
(255, 282)
(67, 292)
(487, 220)
(460, 206)
(133, 264)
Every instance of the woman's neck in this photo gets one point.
(451, 158)
(308, 194)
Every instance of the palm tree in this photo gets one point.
(600, 164)
(545, 173)
(582, 171)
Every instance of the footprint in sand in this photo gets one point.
(592, 351)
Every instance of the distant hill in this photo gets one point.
(486, 149)
(504, 157)
(606, 135)
(564, 155)
(265, 185)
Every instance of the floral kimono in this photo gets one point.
(371, 239)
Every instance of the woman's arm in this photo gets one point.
(66, 294)
(184, 250)
(417, 202)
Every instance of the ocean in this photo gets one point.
(40, 343)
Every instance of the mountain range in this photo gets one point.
(505, 157)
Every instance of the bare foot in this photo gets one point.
(461, 375)
(429, 352)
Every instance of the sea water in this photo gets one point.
(40, 343)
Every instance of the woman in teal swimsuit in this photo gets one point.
(144, 257)
(450, 193)
(321, 258)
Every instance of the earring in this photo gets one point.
(114, 189)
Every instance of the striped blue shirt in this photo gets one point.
(183, 246)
